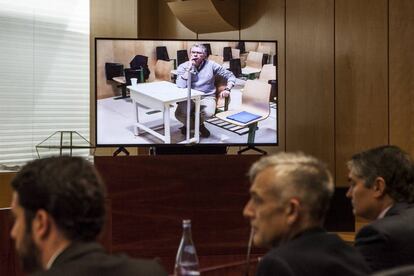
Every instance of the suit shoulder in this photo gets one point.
(271, 264)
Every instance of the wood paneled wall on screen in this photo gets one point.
(345, 71)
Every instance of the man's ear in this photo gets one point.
(379, 187)
(41, 225)
(293, 210)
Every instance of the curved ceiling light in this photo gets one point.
(207, 16)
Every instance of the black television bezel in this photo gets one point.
(176, 145)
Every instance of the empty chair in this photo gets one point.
(254, 60)
(133, 73)
(182, 56)
(235, 53)
(162, 53)
(217, 59)
(268, 74)
(113, 70)
(208, 47)
(126, 80)
(227, 54)
(265, 49)
(275, 60)
(241, 46)
(253, 108)
(140, 61)
(235, 67)
(162, 70)
(265, 59)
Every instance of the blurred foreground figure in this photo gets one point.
(289, 198)
(59, 210)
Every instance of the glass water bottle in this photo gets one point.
(186, 262)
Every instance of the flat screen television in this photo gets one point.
(137, 90)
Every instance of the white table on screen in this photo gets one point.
(161, 95)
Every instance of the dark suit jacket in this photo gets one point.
(389, 242)
(89, 259)
(313, 252)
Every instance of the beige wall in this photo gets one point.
(5, 188)
(345, 69)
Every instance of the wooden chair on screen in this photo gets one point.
(208, 48)
(255, 101)
(268, 74)
(235, 53)
(227, 54)
(162, 54)
(254, 60)
(265, 49)
(162, 70)
(182, 56)
(215, 58)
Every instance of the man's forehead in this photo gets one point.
(15, 202)
(197, 49)
(264, 180)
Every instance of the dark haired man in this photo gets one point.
(203, 74)
(289, 198)
(382, 191)
(58, 205)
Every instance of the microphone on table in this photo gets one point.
(249, 250)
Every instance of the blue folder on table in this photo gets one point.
(243, 117)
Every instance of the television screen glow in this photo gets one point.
(137, 94)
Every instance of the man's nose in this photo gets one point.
(247, 211)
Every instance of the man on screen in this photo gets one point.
(59, 210)
(202, 73)
(289, 197)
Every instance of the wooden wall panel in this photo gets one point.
(5, 188)
(361, 100)
(147, 18)
(310, 78)
(401, 73)
(264, 19)
(150, 195)
(108, 18)
(112, 18)
(169, 26)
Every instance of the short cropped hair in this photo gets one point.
(392, 164)
(300, 176)
(69, 189)
(201, 46)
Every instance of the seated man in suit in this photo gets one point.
(202, 73)
(59, 210)
(289, 198)
(382, 191)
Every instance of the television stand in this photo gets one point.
(119, 150)
(252, 148)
